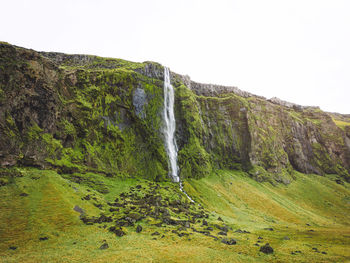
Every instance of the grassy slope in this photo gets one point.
(239, 200)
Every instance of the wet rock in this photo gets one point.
(229, 241)
(267, 249)
(43, 238)
(138, 229)
(104, 246)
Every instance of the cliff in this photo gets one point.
(81, 113)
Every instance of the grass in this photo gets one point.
(243, 203)
(341, 124)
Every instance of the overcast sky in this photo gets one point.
(297, 50)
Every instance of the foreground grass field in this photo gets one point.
(306, 221)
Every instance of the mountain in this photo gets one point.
(79, 131)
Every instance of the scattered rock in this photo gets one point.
(12, 247)
(155, 234)
(267, 249)
(229, 241)
(86, 197)
(242, 231)
(118, 231)
(324, 253)
(222, 233)
(268, 228)
(104, 246)
(138, 229)
(23, 194)
(220, 219)
(43, 238)
(79, 210)
(204, 222)
(338, 181)
(260, 237)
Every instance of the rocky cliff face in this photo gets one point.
(87, 113)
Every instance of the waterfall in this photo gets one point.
(169, 126)
(169, 130)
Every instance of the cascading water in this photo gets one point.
(169, 126)
(169, 130)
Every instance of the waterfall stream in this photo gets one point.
(169, 130)
(169, 126)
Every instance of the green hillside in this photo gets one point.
(311, 215)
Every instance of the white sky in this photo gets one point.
(297, 50)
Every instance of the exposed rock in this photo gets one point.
(267, 249)
(118, 231)
(104, 246)
(79, 210)
(229, 241)
(138, 229)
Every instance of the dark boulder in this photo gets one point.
(267, 249)
(118, 231)
(138, 229)
(229, 241)
(104, 246)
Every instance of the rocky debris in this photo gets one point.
(118, 231)
(104, 246)
(43, 238)
(242, 231)
(338, 181)
(91, 220)
(229, 241)
(267, 249)
(87, 197)
(268, 228)
(315, 249)
(138, 229)
(79, 210)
